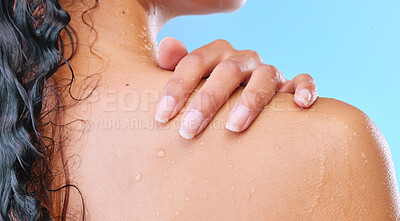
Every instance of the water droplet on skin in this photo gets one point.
(158, 213)
(230, 166)
(216, 191)
(233, 202)
(173, 161)
(177, 213)
(365, 157)
(190, 151)
(202, 143)
(272, 80)
(165, 174)
(205, 197)
(253, 189)
(225, 151)
(160, 153)
(123, 33)
(219, 82)
(206, 181)
(239, 141)
(169, 195)
(140, 163)
(346, 126)
(138, 176)
(222, 135)
(278, 147)
(233, 188)
(187, 198)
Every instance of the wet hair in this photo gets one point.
(31, 50)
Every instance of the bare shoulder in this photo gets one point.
(371, 174)
(359, 178)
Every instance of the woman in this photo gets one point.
(324, 162)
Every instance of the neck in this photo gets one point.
(113, 31)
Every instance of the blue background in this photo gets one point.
(350, 47)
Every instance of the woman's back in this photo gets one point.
(328, 161)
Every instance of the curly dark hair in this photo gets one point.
(31, 50)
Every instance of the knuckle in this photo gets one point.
(256, 98)
(269, 71)
(209, 94)
(251, 54)
(208, 100)
(222, 42)
(305, 77)
(231, 65)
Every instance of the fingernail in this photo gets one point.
(191, 123)
(304, 97)
(165, 109)
(238, 119)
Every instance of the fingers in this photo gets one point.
(187, 76)
(226, 77)
(170, 52)
(303, 85)
(229, 68)
(258, 93)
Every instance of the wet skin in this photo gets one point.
(328, 162)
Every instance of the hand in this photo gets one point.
(227, 69)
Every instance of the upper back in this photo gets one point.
(291, 163)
